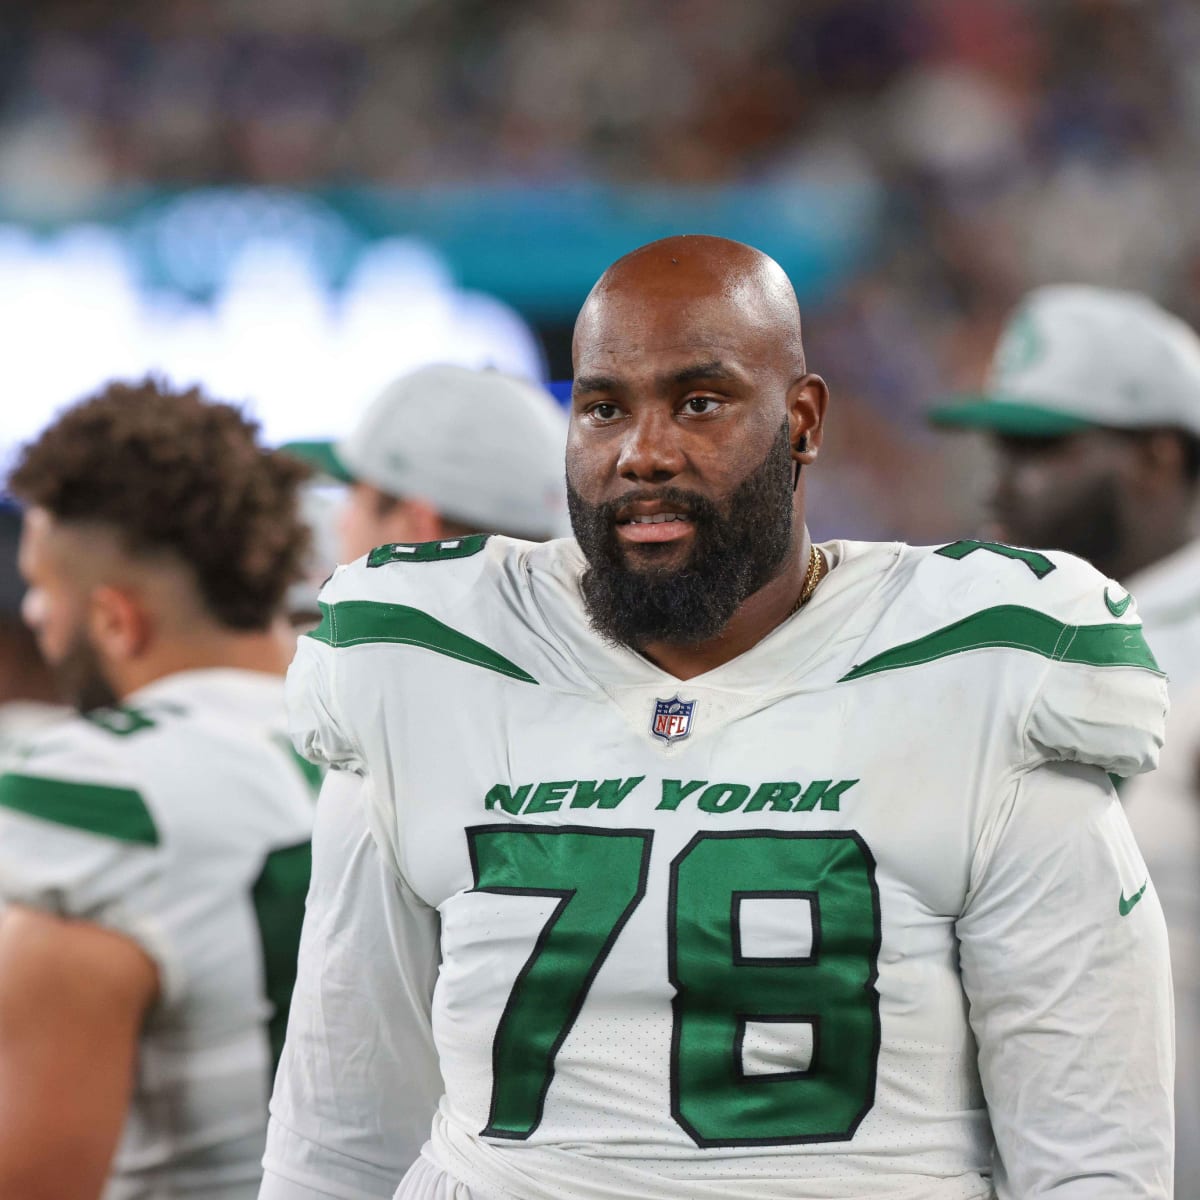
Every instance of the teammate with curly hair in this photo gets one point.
(154, 850)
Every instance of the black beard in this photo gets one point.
(80, 679)
(1093, 529)
(738, 546)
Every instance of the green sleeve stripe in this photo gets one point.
(359, 622)
(113, 812)
(1017, 628)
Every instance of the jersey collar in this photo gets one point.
(805, 651)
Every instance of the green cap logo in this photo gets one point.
(1020, 346)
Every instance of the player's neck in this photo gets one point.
(264, 651)
(760, 613)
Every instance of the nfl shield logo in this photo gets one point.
(672, 719)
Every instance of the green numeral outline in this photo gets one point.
(719, 990)
(278, 896)
(1039, 564)
(599, 877)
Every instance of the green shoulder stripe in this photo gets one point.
(358, 622)
(1018, 628)
(113, 812)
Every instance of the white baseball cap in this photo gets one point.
(1073, 357)
(483, 448)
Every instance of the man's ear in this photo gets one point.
(807, 400)
(119, 625)
(1161, 461)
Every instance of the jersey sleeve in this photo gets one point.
(318, 727)
(78, 839)
(1164, 814)
(1064, 960)
(1103, 699)
(359, 1081)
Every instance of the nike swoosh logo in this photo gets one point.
(1118, 608)
(1126, 906)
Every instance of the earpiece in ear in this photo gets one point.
(802, 444)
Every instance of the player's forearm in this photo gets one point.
(54, 1145)
(294, 1169)
(1063, 953)
(29, 1174)
(1058, 1140)
(1081, 1182)
(344, 1124)
(72, 1000)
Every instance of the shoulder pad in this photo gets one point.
(943, 601)
(453, 598)
(428, 602)
(75, 776)
(1101, 698)
(77, 837)
(971, 576)
(426, 575)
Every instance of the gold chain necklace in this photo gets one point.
(816, 568)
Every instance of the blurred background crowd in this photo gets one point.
(915, 164)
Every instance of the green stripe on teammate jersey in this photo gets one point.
(360, 622)
(113, 812)
(278, 895)
(1018, 628)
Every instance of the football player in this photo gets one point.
(446, 451)
(712, 862)
(1093, 407)
(154, 850)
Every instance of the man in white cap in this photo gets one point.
(447, 451)
(1094, 407)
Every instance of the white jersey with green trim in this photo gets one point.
(855, 913)
(182, 822)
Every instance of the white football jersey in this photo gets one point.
(181, 821)
(21, 722)
(1164, 814)
(834, 919)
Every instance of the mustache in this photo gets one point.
(690, 504)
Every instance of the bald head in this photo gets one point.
(694, 288)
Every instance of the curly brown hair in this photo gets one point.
(174, 471)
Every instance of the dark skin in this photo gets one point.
(688, 360)
(1119, 499)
